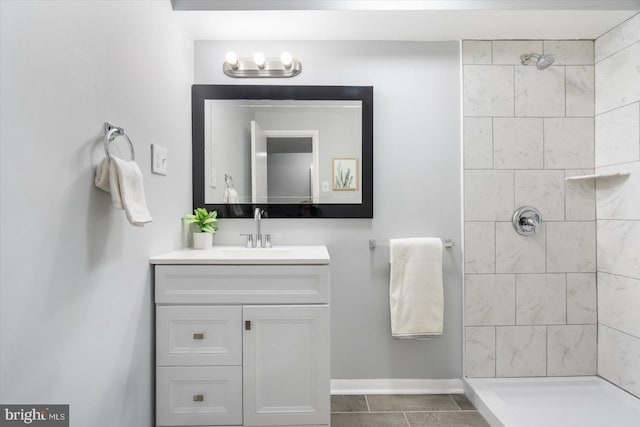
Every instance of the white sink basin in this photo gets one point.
(256, 252)
(242, 255)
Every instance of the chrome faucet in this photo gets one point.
(257, 217)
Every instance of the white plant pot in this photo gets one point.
(202, 240)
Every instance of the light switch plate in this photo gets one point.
(325, 186)
(158, 159)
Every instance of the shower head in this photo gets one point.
(542, 61)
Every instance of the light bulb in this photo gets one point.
(259, 59)
(287, 59)
(232, 59)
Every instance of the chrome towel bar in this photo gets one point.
(446, 242)
(111, 132)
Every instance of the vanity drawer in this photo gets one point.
(199, 396)
(242, 284)
(198, 335)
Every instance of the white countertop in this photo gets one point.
(277, 255)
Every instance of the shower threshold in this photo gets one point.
(553, 402)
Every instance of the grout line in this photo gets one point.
(406, 419)
(546, 351)
(411, 412)
(615, 53)
(514, 90)
(515, 299)
(618, 275)
(551, 272)
(454, 402)
(367, 402)
(493, 144)
(495, 247)
(620, 331)
(491, 41)
(544, 154)
(565, 91)
(612, 109)
(566, 300)
(613, 28)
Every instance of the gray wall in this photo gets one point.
(618, 205)
(76, 306)
(416, 193)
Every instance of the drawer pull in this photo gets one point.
(247, 325)
(198, 398)
(198, 336)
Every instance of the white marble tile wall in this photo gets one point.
(570, 52)
(580, 196)
(619, 358)
(568, 143)
(541, 299)
(618, 79)
(620, 37)
(618, 298)
(618, 133)
(530, 302)
(571, 350)
(581, 298)
(490, 299)
(521, 351)
(580, 97)
(539, 94)
(617, 148)
(480, 346)
(517, 143)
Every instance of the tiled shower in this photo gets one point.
(560, 303)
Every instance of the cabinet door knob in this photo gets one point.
(198, 398)
(198, 336)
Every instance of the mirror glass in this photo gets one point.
(283, 151)
(294, 151)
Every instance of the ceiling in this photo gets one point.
(401, 20)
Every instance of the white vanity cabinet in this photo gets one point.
(242, 344)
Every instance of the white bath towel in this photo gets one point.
(415, 294)
(127, 192)
(102, 175)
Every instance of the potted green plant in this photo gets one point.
(206, 222)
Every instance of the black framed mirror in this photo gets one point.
(293, 151)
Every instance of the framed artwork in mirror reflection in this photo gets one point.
(345, 173)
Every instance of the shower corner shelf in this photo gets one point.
(598, 175)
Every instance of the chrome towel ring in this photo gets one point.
(111, 132)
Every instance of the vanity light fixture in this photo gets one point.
(260, 66)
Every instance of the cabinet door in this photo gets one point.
(286, 365)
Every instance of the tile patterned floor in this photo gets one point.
(411, 410)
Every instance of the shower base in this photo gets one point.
(553, 402)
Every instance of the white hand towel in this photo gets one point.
(415, 294)
(102, 175)
(230, 195)
(127, 192)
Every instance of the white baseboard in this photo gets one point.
(397, 386)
